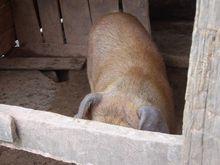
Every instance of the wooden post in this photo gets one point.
(201, 127)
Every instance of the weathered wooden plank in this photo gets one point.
(26, 23)
(201, 115)
(98, 8)
(197, 96)
(76, 20)
(56, 50)
(211, 136)
(209, 17)
(7, 128)
(42, 63)
(50, 21)
(90, 142)
(140, 9)
(7, 41)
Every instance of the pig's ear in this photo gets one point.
(88, 101)
(151, 119)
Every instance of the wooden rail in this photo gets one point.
(81, 141)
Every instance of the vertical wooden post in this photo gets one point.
(202, 110)
(98, 8)
(140, 9)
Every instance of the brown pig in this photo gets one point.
(127, 77)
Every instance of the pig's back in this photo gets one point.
(117, 43)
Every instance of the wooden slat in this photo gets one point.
(7, 40)
(42, 63)
(76, 21)
(50, 21)
(56, 50)
(99, 8)
(140, 9)
(27, 27)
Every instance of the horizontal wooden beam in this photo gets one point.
(89, 142)
(55, 50)
(43, 63)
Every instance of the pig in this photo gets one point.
(127, 77)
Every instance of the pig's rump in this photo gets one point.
(117, 44)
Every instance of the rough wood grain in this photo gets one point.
(201, 115)
(140, 9)
(26, 24)
(56, 50)
(98, 8)
(42, 63)
(209, 14)
(89, 142)
(50, 21)
(76, 21)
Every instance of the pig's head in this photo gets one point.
(119, 111)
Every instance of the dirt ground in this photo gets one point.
(40, 90)
(32, 89)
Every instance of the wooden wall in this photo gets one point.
(7, 35)
(51, 30)
(69, 37)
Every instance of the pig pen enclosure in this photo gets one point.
(43, 48)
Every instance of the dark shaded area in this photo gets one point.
(63, 75)
(172, 9)
(172, 27)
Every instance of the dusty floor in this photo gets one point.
(38, 90)
(32, 89)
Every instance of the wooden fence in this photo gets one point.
(56, 29)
